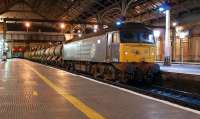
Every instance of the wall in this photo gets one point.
(190, 46)
(195, 48)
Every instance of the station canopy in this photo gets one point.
(97, 11)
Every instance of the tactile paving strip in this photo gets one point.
(24, 96)
(29, 106)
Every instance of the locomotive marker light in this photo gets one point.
(165, 8)
(126, 53)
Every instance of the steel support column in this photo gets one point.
(167, 51)
(4, 34)
(4, 39)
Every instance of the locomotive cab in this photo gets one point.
(137, 47)
(131, 45)
(132, 50)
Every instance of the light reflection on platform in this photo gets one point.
(182, 68)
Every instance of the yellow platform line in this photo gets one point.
(90, 113)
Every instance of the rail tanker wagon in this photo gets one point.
(58, 55)
(51, 55)
(124, 53)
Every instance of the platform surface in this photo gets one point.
(182, 68)
(33, 91)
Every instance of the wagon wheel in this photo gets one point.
(71, 68)
(67, 66)
(95, 71)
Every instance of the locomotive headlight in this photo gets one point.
(126, 53)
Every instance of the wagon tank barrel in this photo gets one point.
(58, 50)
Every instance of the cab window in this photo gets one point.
(146, 38)
(136, 37)
(128, 37)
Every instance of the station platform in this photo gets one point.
(30, 90)
(192, 69)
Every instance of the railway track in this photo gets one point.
(179, 97)
(185, 99)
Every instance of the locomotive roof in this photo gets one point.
(136, 27)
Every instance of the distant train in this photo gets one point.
(123, 53)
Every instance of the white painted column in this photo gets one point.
(167, 50)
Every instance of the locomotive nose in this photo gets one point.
(137, 53)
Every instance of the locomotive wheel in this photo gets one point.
(96, 71)
(68, 66)
(71, 68)
(149, 77)
(109, 73)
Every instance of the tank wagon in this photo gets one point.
(51, 55)
(123, 53)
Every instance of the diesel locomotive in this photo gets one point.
(124, 53)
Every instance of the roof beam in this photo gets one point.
(8, 6)
(67, 9)
(48, 20)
